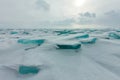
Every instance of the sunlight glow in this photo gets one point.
(79, 3)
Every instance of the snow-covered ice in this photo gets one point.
(98, 61)
(88, 40)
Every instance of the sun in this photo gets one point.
(79, 3)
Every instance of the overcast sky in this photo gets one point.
(59, 13)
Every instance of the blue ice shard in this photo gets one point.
(114, 35)
(76, 36)
(82, 36)
(28, 69)
(63, 32)
(31, 41)
(26, 33)
(13, 32)
(88, 40)
(69, 45)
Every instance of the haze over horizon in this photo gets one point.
(57, 14)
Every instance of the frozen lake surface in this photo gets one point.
(58, 54)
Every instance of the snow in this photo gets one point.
(98, 61)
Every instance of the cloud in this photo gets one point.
(86, 18)
(110, 18)
(113, 13)
(59, 12)
(41, 4)
(88, 15)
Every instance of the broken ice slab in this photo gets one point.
(60, 32)
(118, 30)
(88, 40)
(69, 45)
(77, 36)
(65, 46)
(31, 41)
(13, 32)
(26, 33)
(114, 35)
(82, 36)
(28, 69)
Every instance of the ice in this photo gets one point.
(82, 36)
(63, 32)
(69, 45)
(114, 35)
(31, 41)
(26, 33)
(13, 32)
(76, 36)
(28, 69)
(88, 40)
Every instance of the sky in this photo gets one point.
(59, 13)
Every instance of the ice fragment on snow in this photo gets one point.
(82, 36)
(76, 36)
(13, 32)
(63, 32)
(114, 35)
(31, 41)
(28, 69)
(88, 40)
(26, 33)
(69, 45)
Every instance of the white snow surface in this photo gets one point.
(98, 61)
